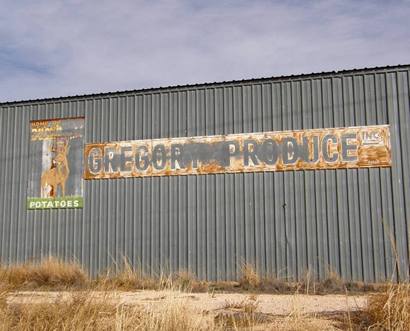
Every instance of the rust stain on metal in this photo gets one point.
(333, 148)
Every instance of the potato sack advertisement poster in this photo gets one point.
(56, 164)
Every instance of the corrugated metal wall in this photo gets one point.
(355, 222)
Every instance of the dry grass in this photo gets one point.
(101, 311)
(186, 281)
(50, 272)
(332, 284)
(390, 310)
(299, 320)
(250, 278)
(77, 314)
(302, 323)
(172, 316)
(241, 314)
(126, 279)
(54, 274)
(85, 312)
(248, 305)
(131, 279)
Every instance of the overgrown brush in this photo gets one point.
(54, 274)
(390, 310)
(172, 315)
(250, 279)
(126, 279)
(129, 278)
(239, 314)
(86, 311)
(80, 313)
(50, 272)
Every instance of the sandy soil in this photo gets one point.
(210, 303)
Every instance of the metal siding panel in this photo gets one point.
(397, 176)
(300, 199)
(310, 218)
(378, 265)
(91, 134)
(403, 93)
(163, 236)
(128, 213)
(362, 198)
(240, 205)
(19, 235)
(211, 258)
(230, 231)
(14, 200)
(155, 183)
(289, 192)
(341, 187)
(220, 218)
(268, 231)
(257, 178)
(330, 180)
(3, 180)
(189, 98)
(364, 190)
(249, 202)
(278, 182)
(284, 223)
(137, 188)
(385, 185)
(240, 242)
(320, 205)
(121, 253)
(354, 249)
(201, 193)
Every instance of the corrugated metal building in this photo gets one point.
(353, 221)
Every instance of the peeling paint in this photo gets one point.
(332, 148)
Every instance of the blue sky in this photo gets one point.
(51, 48)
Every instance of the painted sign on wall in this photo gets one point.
(335, 148)
(56, 161)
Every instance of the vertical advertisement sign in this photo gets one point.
(56, 164)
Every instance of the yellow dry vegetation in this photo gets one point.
(50, 272)
(83, 312)
(54, 274)
(389, 309)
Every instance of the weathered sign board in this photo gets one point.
(56, 163)
(335, 148)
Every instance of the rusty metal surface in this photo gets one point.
(333, 148)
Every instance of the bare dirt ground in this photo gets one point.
(200, 303)
(268, 311)
(53, 295)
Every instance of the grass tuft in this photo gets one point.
(50, 272)
(80, 313)
(85, 311)
(54, 274)
(186, 281)
(239, 314)
(250, 278)
(390, 310)
(331, 284)
(126, 279)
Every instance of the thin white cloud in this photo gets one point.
(51, 48)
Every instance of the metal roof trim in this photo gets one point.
(205, 85)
